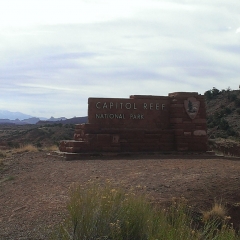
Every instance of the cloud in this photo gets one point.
(51, 63)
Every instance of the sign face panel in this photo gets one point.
(135, 112)
(192, 106)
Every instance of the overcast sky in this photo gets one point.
(54, 54)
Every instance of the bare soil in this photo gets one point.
(34, 187)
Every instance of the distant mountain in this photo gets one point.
(75, 120)
(52, 119)
(32, 120)
(18, 118)
(4, 114)
(16, 121)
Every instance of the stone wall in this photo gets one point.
(142, 124)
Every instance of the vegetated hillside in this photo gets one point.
(223, 115)
(40, 136)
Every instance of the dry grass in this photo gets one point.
(51, 148)
(22, 149)
(25, 148)
(217, 212)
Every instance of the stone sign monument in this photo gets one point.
(142, 124)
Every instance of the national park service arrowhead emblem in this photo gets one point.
(192, 106)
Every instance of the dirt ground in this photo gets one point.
(34, 187)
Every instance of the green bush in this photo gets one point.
(103, 212)
(223, 125)
(237, 102)
(210, 94)
(232, 97)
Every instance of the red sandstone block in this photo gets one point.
(176, 120)
(179, 110)
(181, 99)
(179, 115)
(151, 145)
(139, 147)
(180, 94)
(184, 126)
(79, 126)
(111, 149)
(187, 121)
(91, 128)
(106, 138)
(166, 147)
(166, 142)
(199, 120)
(132, 135)
(202, 126)
(62, 148)
(183, 139)
(151, 141)
(114, 130)
(198, 147)
(129, 147)
(115, 139)
(182, 147)
(137, 140)
(73, 143)
(77, 137)
(66, 143)
(176, 105)
(200, 139)
(79, 131)
(153, 136)
(168, 138)
(79, 149)
(62, 144)
(179, 132)
(158, 131)
(69, 149)
(91, 138)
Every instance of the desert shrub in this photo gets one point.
(237, 102)
(210, 94)
(223, 125)
(104, 212)
(2, 154)
(13, 144)
(1, 164)
(39, 145)
(227, 110)
(232, 97)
